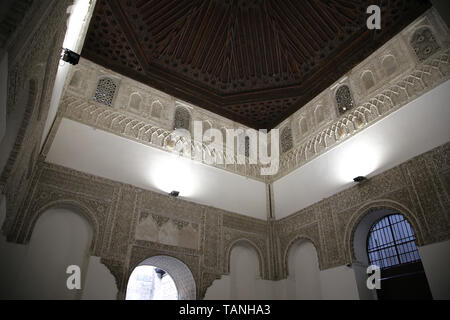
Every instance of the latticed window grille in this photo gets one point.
(392, 242)
(286, 140)
(182, 119)
(106, 89)
(424, 44)
(344, 99)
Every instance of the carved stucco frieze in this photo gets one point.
(414, 188)
(406, 79)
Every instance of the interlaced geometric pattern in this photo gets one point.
(391, 242)
(105, 92)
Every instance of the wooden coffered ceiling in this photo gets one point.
(255, 62)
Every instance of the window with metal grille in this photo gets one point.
(391, 242)
(106, 89)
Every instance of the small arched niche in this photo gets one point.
(134, 104)
(368, 80)
(161, 278)
(157, 108)
(182, 119)
(319, 114)
(303, 127)
(389, 65)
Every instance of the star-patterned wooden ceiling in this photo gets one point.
(255, 62)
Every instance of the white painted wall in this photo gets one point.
(100, 284)
(104, 154)
(436, 262)
(244, 281)
(339, 284)
(38, 270)
(414, 129)
(305, 280)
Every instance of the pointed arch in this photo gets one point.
(182, 119)
(157, 109)
(135, 102)
(368, 80)
(389, 64)
(319, 114)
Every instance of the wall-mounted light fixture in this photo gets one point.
(70, 57)
(360, 179)
(174, 194)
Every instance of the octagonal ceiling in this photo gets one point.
(255, 62)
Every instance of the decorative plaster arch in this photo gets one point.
(177, 269)
(296, 239)
(375, 206)
(78, 208)
(236, 242)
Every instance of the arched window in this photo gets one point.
(367, 79)
(182, 119)
(106, 89)
(391, 242)
(344, 99)
(135, 102)
(424, 43)
(286, 140)
(303, 125)
(247, 146)
(384, 238)
(156, 109)
(389, 65)
(320, 116)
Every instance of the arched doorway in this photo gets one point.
(161, 278)
(386, 239)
